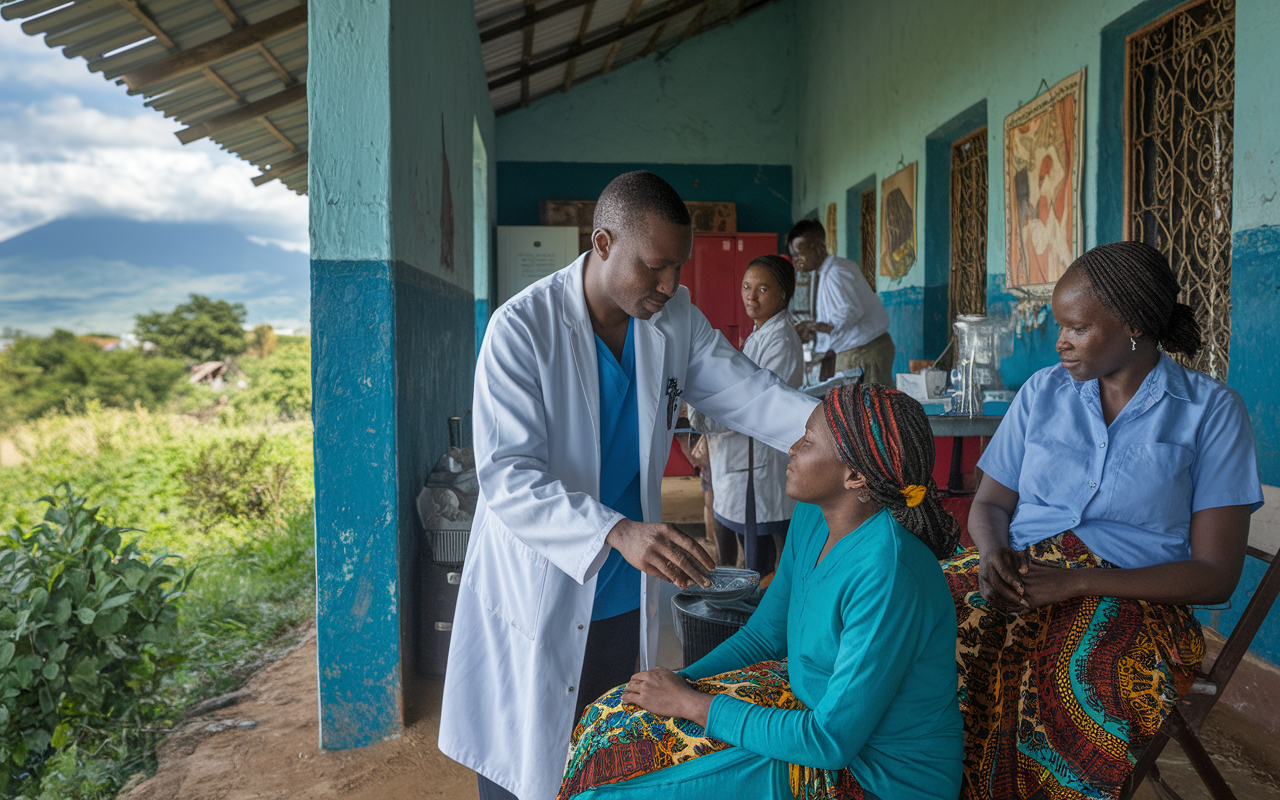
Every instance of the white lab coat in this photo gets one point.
(528, 584)
(849, 304)
(775, 346)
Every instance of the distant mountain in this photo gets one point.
(95, 275)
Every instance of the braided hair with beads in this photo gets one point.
(884, 435)
(1135, 282)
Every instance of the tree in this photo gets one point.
(262, 341)
(198, 330)
(61, 371)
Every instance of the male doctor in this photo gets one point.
(577, 390)
(851, 325)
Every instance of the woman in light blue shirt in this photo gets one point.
(842, 684)
(1116, 493)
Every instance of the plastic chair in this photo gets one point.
(1183, 724)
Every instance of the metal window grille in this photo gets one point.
(1179, 131)
(968, 290)
(867, 225)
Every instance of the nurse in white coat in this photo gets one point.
(768, 285)
(541, 534)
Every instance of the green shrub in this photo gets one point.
(279, 385)
(87, 628)
(235, 479)
(72, 774)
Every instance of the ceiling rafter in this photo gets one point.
(142, 15)
(280, 169)
(695, 23)
(667, 12)
(243, 114)
(531, 16)
(213, 51)
(629, 19)
(583, 26)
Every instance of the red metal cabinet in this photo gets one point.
(714, 279)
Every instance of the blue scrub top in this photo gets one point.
(1128, 489)
(618, 583)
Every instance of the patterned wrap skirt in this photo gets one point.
(615, 742)
(1059, 702)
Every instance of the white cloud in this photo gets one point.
(27, 60)
(71, 145)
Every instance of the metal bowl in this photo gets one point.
(727, 583)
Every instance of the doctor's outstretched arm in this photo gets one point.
(571, 529)
(727, 386)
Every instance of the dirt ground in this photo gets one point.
(222, 756)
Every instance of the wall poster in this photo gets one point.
(898, 222)
(1043, 226)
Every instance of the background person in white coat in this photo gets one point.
(850, 324)
(768, 285)
(577, 391)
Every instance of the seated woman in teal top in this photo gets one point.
(843, 683)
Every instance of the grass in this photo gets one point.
(233, 496)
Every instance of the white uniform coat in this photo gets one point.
(528, 584)
(849, 304)
(775, 346)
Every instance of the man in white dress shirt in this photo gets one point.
(850, 324)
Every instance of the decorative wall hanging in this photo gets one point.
(832, 222)
(708, 217)
(898, 222)
(1043, 226)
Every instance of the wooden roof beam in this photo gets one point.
(280, 169)
(616, 35)
(210, 52)
(613, 51)
(142, 15)
(583, 26)
(530, 17)
(243, 114)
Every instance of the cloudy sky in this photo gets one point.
(73, 144)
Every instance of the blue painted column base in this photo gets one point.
(391, 360)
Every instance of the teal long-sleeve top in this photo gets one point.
(870, 638)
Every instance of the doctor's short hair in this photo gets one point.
(782, 271)
(807, 227)
(632, 194)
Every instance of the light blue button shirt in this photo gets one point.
(1128, 490)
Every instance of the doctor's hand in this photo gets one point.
(660, 691)
(661, 550)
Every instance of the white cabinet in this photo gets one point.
(527, 253)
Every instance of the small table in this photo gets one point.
(958, 426)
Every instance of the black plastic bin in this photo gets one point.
(701, 626)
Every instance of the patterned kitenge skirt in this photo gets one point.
(1059, 702)
(614, 742)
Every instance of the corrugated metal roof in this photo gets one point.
(235, 70)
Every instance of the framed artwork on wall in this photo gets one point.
(1043, 227)
(898, 222)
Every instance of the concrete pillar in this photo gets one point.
(395, 90)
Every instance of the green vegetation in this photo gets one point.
(198, 330)
(87, 628)
(62, 372)
(175, 551)
(228, 502)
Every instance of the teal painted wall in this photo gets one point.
(395, 90)
(724, 97)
